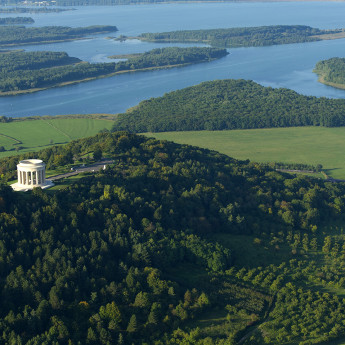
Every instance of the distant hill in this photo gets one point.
(231, 104)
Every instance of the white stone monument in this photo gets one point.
(31, 174)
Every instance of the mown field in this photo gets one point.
(33, 135)
(308, 145)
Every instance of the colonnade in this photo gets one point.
(31, 173)
(31, 177)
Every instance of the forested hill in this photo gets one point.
(231, 104)
(243, 37)
(331, 71)
(145, 251)
(18, 35)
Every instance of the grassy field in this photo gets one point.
(308, 145)
(33, 135)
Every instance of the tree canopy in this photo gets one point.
(231, 104)
(29, 70)
(134, 253)
(331, 71)
(18, 35)
(243, 36)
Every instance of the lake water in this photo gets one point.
(288, 66)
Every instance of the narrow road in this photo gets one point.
(89, 168)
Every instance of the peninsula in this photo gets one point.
(331, 72)
(245, 36)
(20, 35)
(22, 72)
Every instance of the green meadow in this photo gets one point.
(33, 135)
(307, 145)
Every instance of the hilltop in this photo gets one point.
(231, 104)
(172, 244)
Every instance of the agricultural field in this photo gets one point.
(306, 145)
(33, 135)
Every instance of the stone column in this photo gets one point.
(32, 177)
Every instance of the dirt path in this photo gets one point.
(248, 334)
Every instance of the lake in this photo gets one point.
(288, 66)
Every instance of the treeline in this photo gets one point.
(16, 20)
(242, 37)
(294, 166)
(231, 104)
(331, 70)
(30, 9)
(171, 56)
(128, 255)
(17, 35)
(93, 2)
(29, 70)
(14, 61)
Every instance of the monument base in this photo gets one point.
(24, 188)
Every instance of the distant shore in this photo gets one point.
(8, 45)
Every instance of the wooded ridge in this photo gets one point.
(231, 104)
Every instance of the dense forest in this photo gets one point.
(147, 250)
(242, 37)
(28, 70)
(331, 71)
(231, 104)
(18, 35)
(16, 20)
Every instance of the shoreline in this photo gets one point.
(321, 80)
(73, 82)
(323, 37)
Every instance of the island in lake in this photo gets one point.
(245, 37)
(24, 72)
